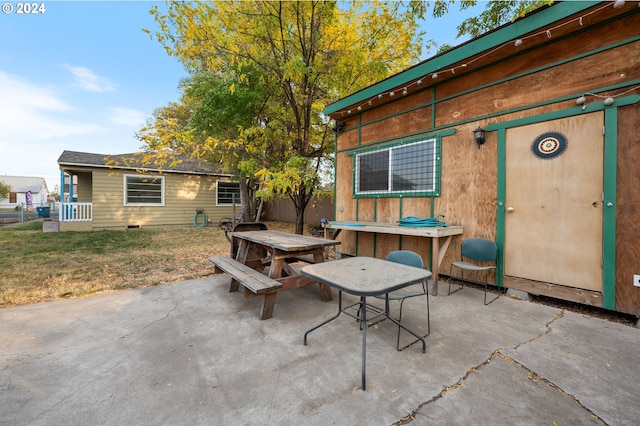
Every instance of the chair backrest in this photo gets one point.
(406, 257)
(248, 226)
(479, 249)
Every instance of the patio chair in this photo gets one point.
(479, 250)
(412, 259)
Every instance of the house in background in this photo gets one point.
(115, 192)
(23, 188)
(552, 174)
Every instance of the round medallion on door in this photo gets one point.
(549, 145)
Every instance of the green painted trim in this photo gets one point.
(610, 194)
(585, 109)
(483, 43)
(609, 206)
(497, 82)
(357, 233)
(335, 173)
(400, 213)
(375, 219)
(399, 140)
(501, 198)
(437, 173)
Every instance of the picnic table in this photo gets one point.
(281, 250)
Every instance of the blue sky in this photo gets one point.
(83, 76)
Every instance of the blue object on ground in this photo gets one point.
(43, 211)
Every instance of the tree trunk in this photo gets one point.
(246, 196)
(300, 201)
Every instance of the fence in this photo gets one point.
(282, 210)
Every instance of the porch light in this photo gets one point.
(478, 134)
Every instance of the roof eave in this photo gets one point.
(483, 43)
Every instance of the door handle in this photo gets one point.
(510, 209)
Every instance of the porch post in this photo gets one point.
(61, 202)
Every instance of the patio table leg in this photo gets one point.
(328, 320)
(363, 302)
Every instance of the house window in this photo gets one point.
(226, 191)
(141, 190)
(13, 198)
(408, 169)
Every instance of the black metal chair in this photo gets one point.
(412, 259)
(479, 250)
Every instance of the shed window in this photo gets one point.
(140, 190)
(226, 191)
(407, 169)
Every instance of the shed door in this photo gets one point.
(554, 189)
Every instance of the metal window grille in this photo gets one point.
(407, 169)
(147, 190)
(226, 190)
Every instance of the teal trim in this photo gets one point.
(491, 40)
(501, 197)
(375, 219)
(609, 206)
(399, 140)
(357, 219)
(585, 109)
(437, 152)
(433, 102)
(609, 184)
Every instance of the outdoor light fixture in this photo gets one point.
(479, 135)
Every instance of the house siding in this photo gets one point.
(184, 194)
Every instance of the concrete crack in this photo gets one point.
(531, 374)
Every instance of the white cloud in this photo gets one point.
(31, 112)
(89, 81)
(127, 117)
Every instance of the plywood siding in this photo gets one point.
(525, 83)
(184, 194)
(628, 208)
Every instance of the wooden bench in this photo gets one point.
(256, 283)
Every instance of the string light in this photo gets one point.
(515, 43)
(608, 100)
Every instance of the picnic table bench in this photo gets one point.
(264, 249)
(250, 279)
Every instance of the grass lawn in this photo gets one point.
(37, 266)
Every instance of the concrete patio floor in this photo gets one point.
(192, 353)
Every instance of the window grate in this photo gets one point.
(144, 190)
(408, 169)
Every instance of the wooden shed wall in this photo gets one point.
(528, 83)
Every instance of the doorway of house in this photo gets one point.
(553, 201)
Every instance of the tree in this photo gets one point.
(496, 13)
(5, 189)
(304, 55)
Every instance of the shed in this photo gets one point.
(100, 191)
(555, 178)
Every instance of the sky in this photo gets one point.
(84, 76)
